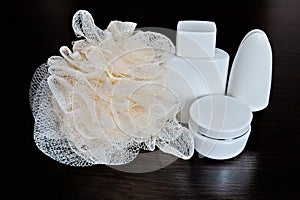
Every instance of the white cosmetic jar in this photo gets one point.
(221, 126)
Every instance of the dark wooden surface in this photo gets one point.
(269, 166)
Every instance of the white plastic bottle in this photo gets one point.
(198, 69)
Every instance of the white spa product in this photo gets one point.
(198, 69)
(222, 124)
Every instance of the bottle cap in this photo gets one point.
(196, 39)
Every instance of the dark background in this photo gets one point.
(267, 168)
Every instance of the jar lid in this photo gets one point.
(220, 117)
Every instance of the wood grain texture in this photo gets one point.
(269, 166)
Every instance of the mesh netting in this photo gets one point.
(106, 99)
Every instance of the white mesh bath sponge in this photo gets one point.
(105, 100)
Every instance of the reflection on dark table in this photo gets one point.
(269, 165)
